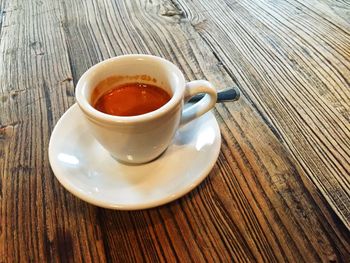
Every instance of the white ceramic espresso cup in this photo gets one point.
(141, 138)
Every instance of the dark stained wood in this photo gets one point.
(279, 191)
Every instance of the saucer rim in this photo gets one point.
(71, 188)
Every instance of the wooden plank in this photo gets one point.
(256, 204)
(293, 65)
(40, 221)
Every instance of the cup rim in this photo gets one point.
(88, 109)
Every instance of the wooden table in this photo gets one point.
(280, 190)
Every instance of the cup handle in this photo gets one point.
(202, 106)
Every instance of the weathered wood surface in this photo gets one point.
(280, 189)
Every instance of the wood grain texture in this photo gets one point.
(39, 221)
(291, 61)
(293, 64)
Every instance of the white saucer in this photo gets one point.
(86, 170)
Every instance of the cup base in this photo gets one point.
(133, 163)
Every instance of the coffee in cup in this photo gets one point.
(131, 99)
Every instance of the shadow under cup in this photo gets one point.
(134, 139)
